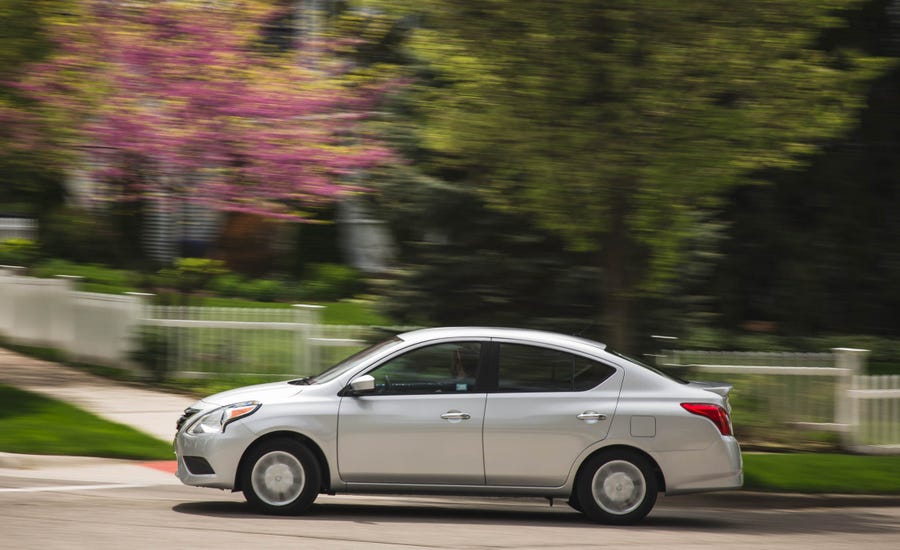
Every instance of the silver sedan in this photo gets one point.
(481, 411)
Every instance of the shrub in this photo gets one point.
(197, 273)
(95, 275)
(22, 252)
(191, 274)
(267, 290)
(327, 282)
(83, 236)
(229, 284)
(153, 352)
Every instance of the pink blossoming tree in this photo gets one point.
(186, 99)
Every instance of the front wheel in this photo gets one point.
(282, 477)
(617, 487)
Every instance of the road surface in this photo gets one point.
(41, 509)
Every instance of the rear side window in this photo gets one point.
(525, 368)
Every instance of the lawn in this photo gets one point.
(822, 473)
(34, 424)
(343, 312)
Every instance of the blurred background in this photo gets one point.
(210, 193)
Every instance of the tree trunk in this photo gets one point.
(617, 286)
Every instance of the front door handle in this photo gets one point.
(455, 415)
(591, 417)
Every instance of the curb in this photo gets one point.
(761, 499)
(14, 461)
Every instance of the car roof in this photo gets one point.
(528, 335)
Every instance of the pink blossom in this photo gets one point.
(177, 97)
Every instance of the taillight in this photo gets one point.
(715, 413)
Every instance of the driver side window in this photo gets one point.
(440, 368)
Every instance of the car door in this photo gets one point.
(549, 405)
(422, 424)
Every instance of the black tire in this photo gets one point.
(573, 501)
(281, 477)
(617, 487)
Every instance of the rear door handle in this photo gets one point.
(591, 416)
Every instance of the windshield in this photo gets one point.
(349, 362)
(646, 366)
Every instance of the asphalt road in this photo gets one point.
(41, 513)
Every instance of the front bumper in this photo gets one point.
(222, 453)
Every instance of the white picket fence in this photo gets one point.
(87, 326)
(107, 329)
(825, 392)
(276, 343)
(875, 414)
(775, 391)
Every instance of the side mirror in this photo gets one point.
(362, 384)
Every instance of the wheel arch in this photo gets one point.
(286, 434)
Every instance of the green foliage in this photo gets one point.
(33, 424)
(261, 290)
(322, 282)
(99, 276)
(613, 128)
(24, 37)
(265, 290)
(229, 284)
(31, 175)
(466, 264)
(20, 252)
(154, 351)
(327, 282)
(354, 312)
(200, 268)
(344, 312)
(83, 236)
(189, 275)
(819, 251)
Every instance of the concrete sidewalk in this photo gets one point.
(35, 471)
(150, 411)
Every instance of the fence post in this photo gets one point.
(846, 413)
(308, 318)
(138, 313)
(62, 323)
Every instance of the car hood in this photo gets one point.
(264, 393)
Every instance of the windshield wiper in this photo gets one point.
(301, 381)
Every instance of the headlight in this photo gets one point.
(216, 420)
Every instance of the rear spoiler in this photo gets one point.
(720, 388)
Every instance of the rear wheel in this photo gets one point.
(281, 476)
(617, 487)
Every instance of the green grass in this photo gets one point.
(345, 312)
(34, 424)
(352, 313)
(822, 473)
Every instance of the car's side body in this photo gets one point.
(479, 440)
